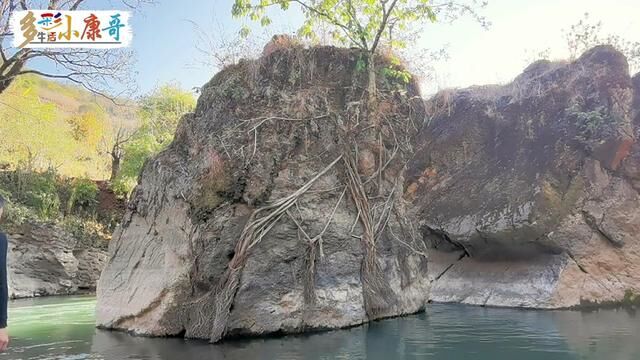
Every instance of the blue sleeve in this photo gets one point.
(4, 291)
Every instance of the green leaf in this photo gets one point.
(265, 21)
(353, 22)
(245, 31)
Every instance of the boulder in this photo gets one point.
(527, 193)
(277, 208)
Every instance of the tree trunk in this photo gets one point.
(8, 75)
(371, 69)
(4, 83)
(115, 165)
(6, 80)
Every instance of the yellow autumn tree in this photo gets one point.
(88, 128)
(30, 134)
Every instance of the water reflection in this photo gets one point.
(327, 345)
(601, 334)
(64, 330)
(470, 333)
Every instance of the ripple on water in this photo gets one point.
(62, 328)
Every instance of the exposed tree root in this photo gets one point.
(385, 139)
(375, 289)
(314, 244)
(309, 292)
(223, 301)
(260, 223)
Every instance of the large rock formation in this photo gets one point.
(281, 206)
(277, 208)
(44, 259)
(528, 192)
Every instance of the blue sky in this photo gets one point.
(165, 39)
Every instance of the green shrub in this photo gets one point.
(84, 196)
(122, 187)
(89, 233)
(70, 203)
(38, 191)
(395, 74)
(46, 204)
(14, 213)
(592, 125)
(160, 112)
(48, 195)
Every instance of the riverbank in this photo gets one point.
(44, 260)
(58, 229)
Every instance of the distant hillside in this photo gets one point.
(71, 99)
(45, 123)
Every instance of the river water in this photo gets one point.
(62, 328)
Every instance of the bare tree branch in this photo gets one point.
(76, 4)
(385, 17)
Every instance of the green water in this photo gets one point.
(62, 328)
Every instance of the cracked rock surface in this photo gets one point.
(247, 224)
(43, 259)
(283, 205)
(527, 193)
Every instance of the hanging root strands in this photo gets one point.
(253, 232)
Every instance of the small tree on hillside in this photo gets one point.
(88, 128)
(160, 112)
(365, 24)
(115, 145)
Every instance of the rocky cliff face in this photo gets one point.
(45, 260)
(285, 202)
(278, 207)
(528, 192)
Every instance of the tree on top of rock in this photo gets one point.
(365, 24)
